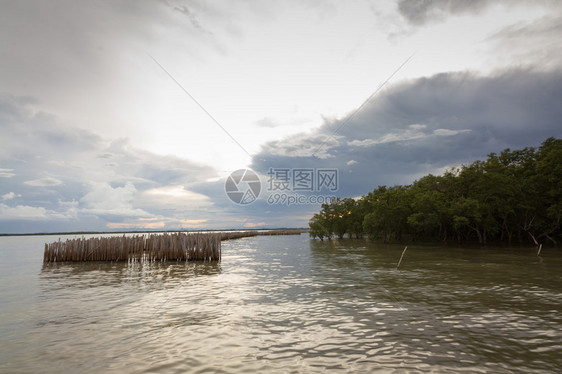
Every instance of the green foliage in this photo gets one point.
(513, 195)
(317, 228)
(388, 213)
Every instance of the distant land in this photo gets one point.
(146, 231)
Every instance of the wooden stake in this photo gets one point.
(400, 261)
(539, 252)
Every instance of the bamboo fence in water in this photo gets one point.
(179, 246)
(153, 247)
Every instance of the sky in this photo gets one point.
(119, 115)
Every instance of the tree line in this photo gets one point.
(515, 196)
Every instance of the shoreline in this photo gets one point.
(303, 229)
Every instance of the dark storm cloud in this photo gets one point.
(428, 124)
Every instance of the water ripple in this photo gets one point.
(288, 305)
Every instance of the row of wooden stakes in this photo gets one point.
(180, 246)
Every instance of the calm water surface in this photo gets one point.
(284, 304)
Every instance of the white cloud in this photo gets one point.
(44, 182)
(252, 225)
(412, 133)
(177, 192)
(159, 223)
(63, 210)
(22, 212)
(351, 162)
(6, 173)
(447, 132)
(172, 197)
(66, 210)
(417, 126)
(103, 200)
(409, 134)
(174, 192)
(9, 196)
(363, 143)
(267, 122)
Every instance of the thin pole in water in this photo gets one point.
(539, 252)
(400, 261)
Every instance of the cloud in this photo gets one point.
(86, 67)
(189, 14)
(268, 123)
(9, 196)
(62, 174)
(254, 224)
(6, 173)
(138, 224)
(447, 132)
(411, 133)
(417, 126)
(302, 146)
(104, 200)
(44, 182)
(193, 222)
(22, 212)
(419, 12)
(537, 43)
(173, 197)
(66, 210)
(158, 223)
(175, 192)
(420, 126)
